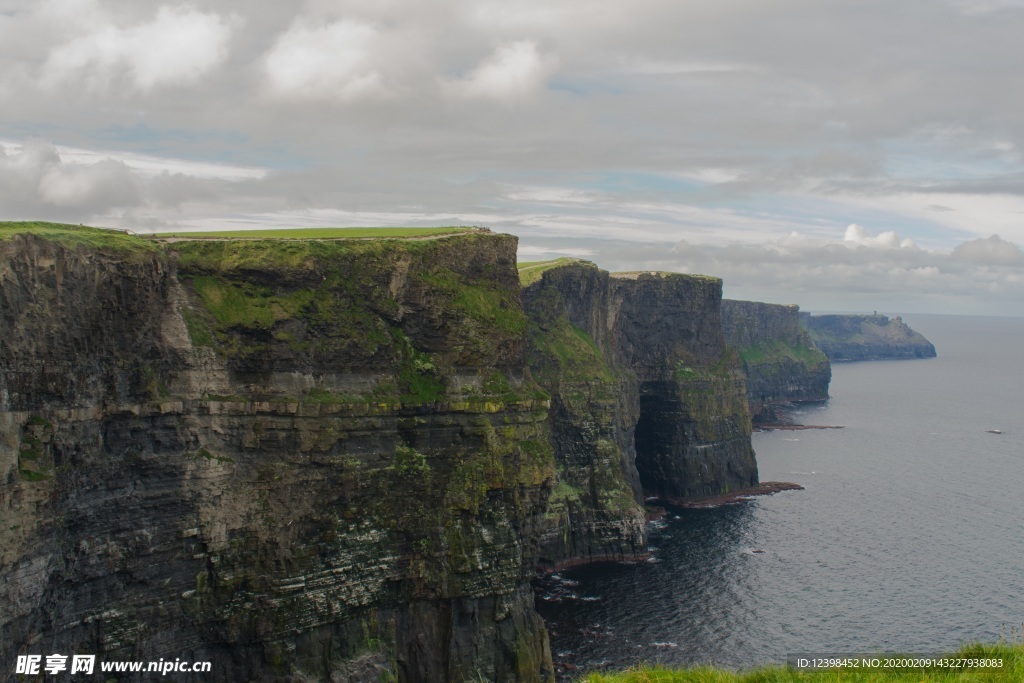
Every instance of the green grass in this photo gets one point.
(314, 233)
(572, 351)
(531, 271)
(777, 349)
(1011, 671)
(487, 303)
(558, 351)
(76, 235)
(697, 277)
(246, 304)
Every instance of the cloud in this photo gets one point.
(992, 251)
(179, 46)
(541, 253)
(329, 62)
(512, 72)
(856, 235)
(42, 181)
(600, 125)
(103, 184)
(977, 276)
(36, 179)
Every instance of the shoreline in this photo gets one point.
(766, 488)
(768, 427)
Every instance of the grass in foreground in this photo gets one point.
(314, 233)
(1012, 670)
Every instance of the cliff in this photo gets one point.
(336, 459)
(596, 511)
(781, 363)
(318, 460)
(865, 337)
(658, 337)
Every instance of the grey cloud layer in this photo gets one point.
(708, 116)
(980, 276)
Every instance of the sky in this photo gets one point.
(842, 155)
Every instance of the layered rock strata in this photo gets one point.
(781, 363)
(296, 460)
(681, 427)
(693, 435)
(595, 511)
(336, 459)
(866, 337)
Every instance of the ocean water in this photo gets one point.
(909, 536)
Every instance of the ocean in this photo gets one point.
(908, 537)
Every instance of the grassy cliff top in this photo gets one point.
(531, 271)
(72, 235)
(317, 233)
(637, 274)
(75, 235)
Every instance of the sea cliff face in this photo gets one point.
(296, 460)
(596, 511)
(693, 435)
(681, 425)
(779, 359)
(865, 337)
(336, 459)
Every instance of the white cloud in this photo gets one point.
(105, 182)
(512, 72)
(533, 252)
(970, 213)
(178, 47)
(856, 235)
(36, 178)
(991, 251)
(551, 195)
(43, 181)
(330, 62)
(979, 276)
(149, 165)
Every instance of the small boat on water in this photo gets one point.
(994, 431)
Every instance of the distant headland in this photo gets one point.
(865, 337)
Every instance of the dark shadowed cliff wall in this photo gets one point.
(681, 426)
(693, 435)
(297, 460)
(780, 361)
(596, 509)
(336, 459)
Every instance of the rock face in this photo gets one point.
(596, 511)
(865, 337)
(693, 435)
(295, 460)
(682, 402)
(781, 363)
(336, 460)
